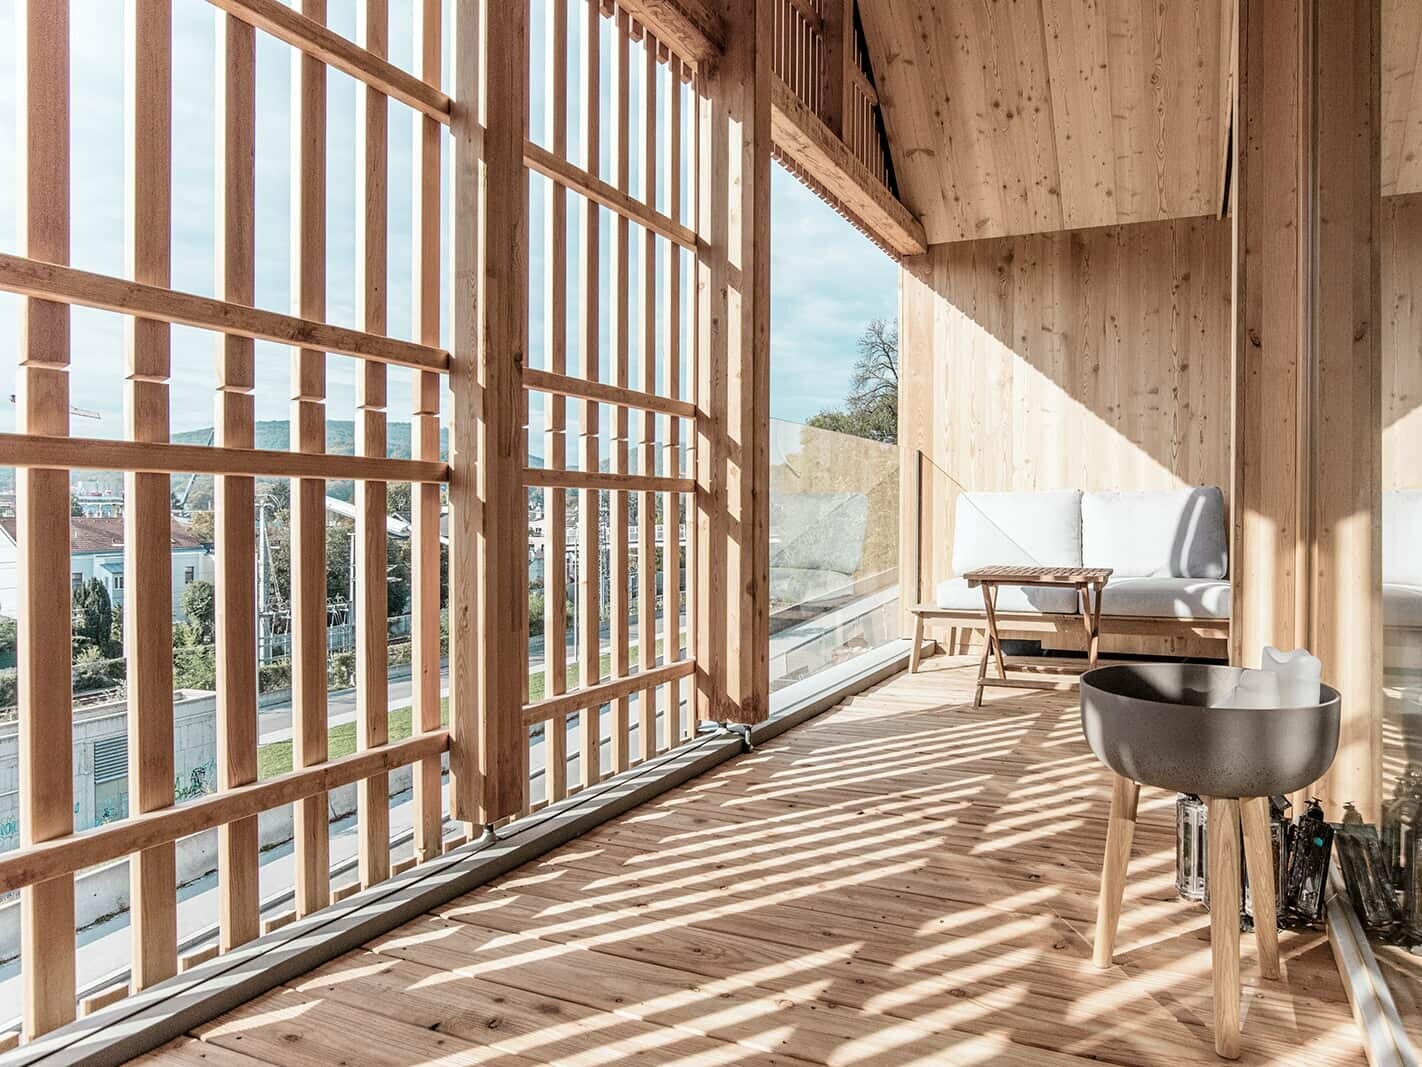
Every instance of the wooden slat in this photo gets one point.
(42, 515)
(619, 301)
(671, 461)
(272, 923)
(148, 561)
(369, 553)
(589, 498)
(609, 481)
(308, 495)
(555, 509)
(234, 496)
(44, 279)
(464, 383)
(566, 385)
(42, 450)
(647, 452)
(425, 545)
(102, 999)
(50, 860)
(604, 692)
(612, 197)
(502, 547)
(188, 960)
(363, 63)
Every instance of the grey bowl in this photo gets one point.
(1158, 724)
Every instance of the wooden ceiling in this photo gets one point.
(1023, 116)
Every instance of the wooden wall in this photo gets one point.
(1401, 234)
(1094, 359)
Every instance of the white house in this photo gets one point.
(96, 551)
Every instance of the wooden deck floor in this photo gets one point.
(902, 880)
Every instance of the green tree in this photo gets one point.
(200, 607)
(93, 616)
(872, 408)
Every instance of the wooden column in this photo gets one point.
(234, 495)
(1307, 372)
(42, 515)
(502, 543)
(148, 553)
(733, 375)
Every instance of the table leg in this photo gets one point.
(990, 603)
(1094, 648)
(1259, 860)
(982, 667)
(917, 643)
(1120, 830)
(1224, 922)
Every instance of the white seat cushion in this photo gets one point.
(1402, 604)
(1402, 537)
(1017, 528)
(956, 595)
(1167, 598)
(1177, 534)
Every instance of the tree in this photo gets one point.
(200, 606)
(93, 616)
(872, 408)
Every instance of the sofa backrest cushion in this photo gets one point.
(1175, 534)
(1017, 528)
(1402, 537)
(818, 531)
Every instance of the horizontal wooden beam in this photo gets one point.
(97, 454)
(812, 17)
(596, 695)
(548, 478)
(309, 36)
(609, 196)
(64, 855)
(49, 281)
(689, 26)
(799, 134)
(567, 385)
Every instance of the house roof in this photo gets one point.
(92, 536)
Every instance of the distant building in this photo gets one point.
(96, 551)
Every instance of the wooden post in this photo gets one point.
(42, 516)
(672, 456)
(647, 454)
(1307, 366)
(148, 561)
(369, 558)
(733, 379)
(502, 544)
(234, 496)
(619, 271)
(308, 495)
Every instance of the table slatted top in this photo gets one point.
(1017, 574)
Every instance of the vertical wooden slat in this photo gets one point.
(465, 517)
(424, 608)
(370, 558)
(555, 288)
(148, 565)
(42, 514)
(234, 496)
(589, 500)
(308, 504)
(503, 538)
(646, 507)
(671, 350)
(619, 268)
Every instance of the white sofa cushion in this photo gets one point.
(1167, 598)
(1402, 604)
(1402, 537)
(1176, 534)
(1017, 528)
(955, 594)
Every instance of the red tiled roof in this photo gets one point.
(95, 535)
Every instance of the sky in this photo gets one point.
(827, 280)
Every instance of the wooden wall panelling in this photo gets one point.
(234, 496)
(619, 268)
(590, 500)
(502, 545)
(148, 603)
(369, 559)
(425, 499)
(647, 452)
(42, 516)
(671, 452)
(1401, 98)
(1400, 233)
(733, 388)
(308, 503)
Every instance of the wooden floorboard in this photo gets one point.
(905, 879)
